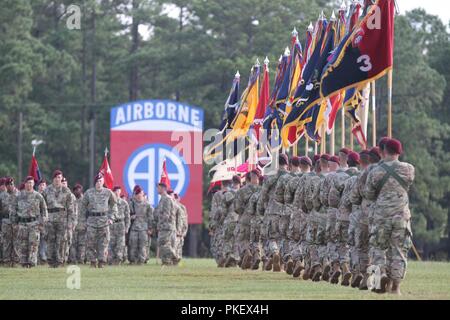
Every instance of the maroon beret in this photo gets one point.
(375, 153)
(382, 142)
(306, 161)
(137, 189)
(353, 158)
(42, 181)
(9, 180)
(22, 186)
(334, 159)
(170, 192)
(29, 178)
(394, 146)
(325, 157)
(98, 177)
(365, 154)
(115, 188)
(345, 150)
(283, 159)
(316, 157)
(57, 173)
(295, 161)
(77, 186)
(255, 172)
(2, 181)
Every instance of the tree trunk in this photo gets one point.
(134, 76)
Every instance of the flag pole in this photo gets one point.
(343, 127)
(390, 103)
(306, 146)
(323, 147)
(351, 139)
(332, 141)
(374, 116)
(315, 148)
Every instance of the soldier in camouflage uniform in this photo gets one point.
(243, 207)
(182, 227)
(256, 222)
(42, 258)
(30, 212)
(61, 218)
(361, 231)
(8, 228)
(142, 226)
(78, 248)
(99, 205)
(166, 226)
(327, 248)
(388, 185)
(229, 217)
(315, 233)
(215, 228)
(119, 229)
(70, 231)
(341, 189)
(271, 205)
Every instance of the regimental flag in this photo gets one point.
(249, 103)
(232, 104)
(106, 171)
(165, 176)
(365, 55)
(355, 11)
(34, 170)
(263, 102)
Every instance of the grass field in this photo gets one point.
(201, 279)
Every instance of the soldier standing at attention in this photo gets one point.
(42, 257)
(166, 226)
(61, 218)
(388, 185)
(78, 247)
(30, 212)
(182, 227)
(215, 229)
(119, 229)
(141, 230)
(70, 231)
(99, 205)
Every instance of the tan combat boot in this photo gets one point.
(326, 272)
(221, 263)
(276, 262)
(93, 264)
(255, 263)
(336, 273)
(306, 274)
(101, 264)
(346, 275)
(384, 284)
(396, 287)
(290, 266)
(317, 273)
(268, 265)
(357, 277)
(363, 284)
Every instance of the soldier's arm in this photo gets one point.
(239, 201)
(112, 202)
(370, 190)
(185, 222)
(13, 210)
(126, 218)
(43, 211)
(71, 214)
(289, 191)
(355, 195)
(150, 218)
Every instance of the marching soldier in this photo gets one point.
(270, 206)
(166, 226)
(142, 226)
(30, 213)
(256, 222)
(119, 229)
(8, 227)
(61, 218)
(78, 248)
(215, 228)
(388, 185)
(230, 219)
(244, 210)
(99, 205)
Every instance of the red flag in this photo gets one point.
(360, 137)
(34, 170)
(165, 176)
(107, 174)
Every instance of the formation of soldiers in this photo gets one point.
(55, 225)
(337, 218)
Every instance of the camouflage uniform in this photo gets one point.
(215, 226)
(118, 230)
(242, 207)
(70, 231)
(315, 233)
(99, 207)
(30, 212)
(61, 218)
(182, 228)
(166, 225)
(42, 256)
(78, 248)
(272, 209)
(138, 234)
(292, 232)
(230, 221)
(391, 233)
(256, 222)
(8, 228)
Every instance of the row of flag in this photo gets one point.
(333, 70)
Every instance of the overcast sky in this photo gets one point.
(440, 8)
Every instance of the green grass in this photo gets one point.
(201, 279)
